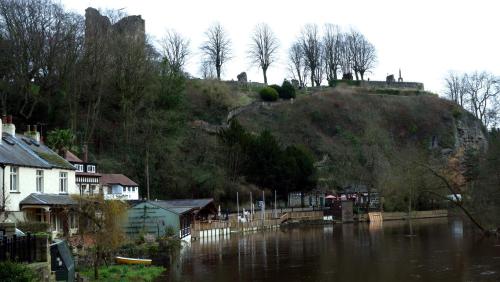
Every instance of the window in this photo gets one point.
(63, 182)
(39, 181)
(79, 167)
(14, 185)
(91, 168)
(92, 189)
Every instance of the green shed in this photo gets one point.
(152, 217)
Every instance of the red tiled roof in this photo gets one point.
(117, 179)
(70, 157)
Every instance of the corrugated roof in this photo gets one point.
(184, 203)
(177, 210)
(47, 200)
(121, 179)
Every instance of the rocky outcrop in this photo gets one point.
(469, 135)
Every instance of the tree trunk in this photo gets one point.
(356, 74)
(264, 71)
(96, 264)
(312, 78)
(147, 174)
(218, 72)
(362, 73)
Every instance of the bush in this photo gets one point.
(277, 88)
(15, 272)
(456, 112)
(287, 90)
(33, 226)
(268, 94)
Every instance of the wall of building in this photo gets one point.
(121, 192)
(26, 178)
(148, 218)
(397, 85)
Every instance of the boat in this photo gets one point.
(123, 260)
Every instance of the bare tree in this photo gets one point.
(455, 88)
(482, 93)
(263, 48)
(311, 48)
(353, 40)
(38, 33)
(207, 70)
(297, 65)
(175, 50)
(217, 48)
(345, 57)
(366, 57)
(320, 70)
(331, 44)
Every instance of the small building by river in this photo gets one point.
(156, 217)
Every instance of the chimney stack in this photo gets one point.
(85, 153)
(33, 133)
(8, 127)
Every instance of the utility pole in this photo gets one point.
(238, 209)
(275, 208)
(263, 209)
(251, 207)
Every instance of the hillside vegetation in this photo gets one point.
(356, 136)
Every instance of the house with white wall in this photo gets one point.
(119, 186)
(87, 177)
(36, 184)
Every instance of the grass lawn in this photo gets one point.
(116, 273)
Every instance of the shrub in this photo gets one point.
(16, 272)
(287, 90)
(33, 226)
(277, 88)
(268, 94)
(456, 112)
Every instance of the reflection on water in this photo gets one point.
(442, 250)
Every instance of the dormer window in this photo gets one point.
(91, 168)
(79, 167)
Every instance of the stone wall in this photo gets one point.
(99, 27)
(396, 85)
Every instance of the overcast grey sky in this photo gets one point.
(424, 38)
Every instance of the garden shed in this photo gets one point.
(153, 217)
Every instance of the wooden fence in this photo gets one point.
(20, 249)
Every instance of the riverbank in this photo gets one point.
(297, 218)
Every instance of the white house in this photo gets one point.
(35, 182)
(118, 186)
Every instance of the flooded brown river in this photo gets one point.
(441, 250)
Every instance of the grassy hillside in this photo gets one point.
(358, 136)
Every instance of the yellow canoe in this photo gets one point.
(122, 260)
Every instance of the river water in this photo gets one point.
(441, 250)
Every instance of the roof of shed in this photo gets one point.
(191, 203)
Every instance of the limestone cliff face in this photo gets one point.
(469, 134)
